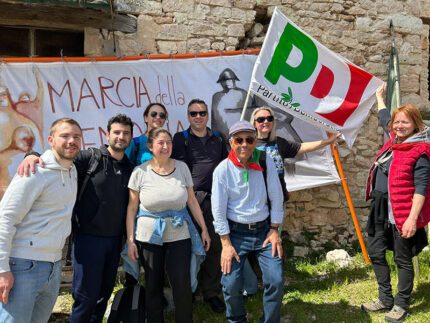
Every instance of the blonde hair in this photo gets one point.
(272, 135)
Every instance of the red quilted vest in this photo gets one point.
(401, 180)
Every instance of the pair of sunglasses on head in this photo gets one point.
(262, 119)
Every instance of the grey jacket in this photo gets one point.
(35, 213)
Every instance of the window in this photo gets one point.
(25, 42)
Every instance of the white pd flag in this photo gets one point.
(297, 74)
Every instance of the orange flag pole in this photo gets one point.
(351, 206)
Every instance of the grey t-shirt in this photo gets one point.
(158, 193)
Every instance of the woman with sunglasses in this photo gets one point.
(159, 229)
(279, 148)
(155, 116)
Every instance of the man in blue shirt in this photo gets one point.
(247, 222)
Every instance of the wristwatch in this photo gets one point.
(272, 227)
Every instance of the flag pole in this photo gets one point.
(393, 79)
(350, 205)
(246, 104)
(396, 64)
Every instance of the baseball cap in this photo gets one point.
(241, 126)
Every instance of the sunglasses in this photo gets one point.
(262, 119)
(193, 114)
(161, 114)
(239, 140)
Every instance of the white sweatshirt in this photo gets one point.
(35, 213)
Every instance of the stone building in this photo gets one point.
(358, 30)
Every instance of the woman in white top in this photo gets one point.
(164, 237)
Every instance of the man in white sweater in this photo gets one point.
(35, 221)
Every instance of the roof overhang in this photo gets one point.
(72, 15)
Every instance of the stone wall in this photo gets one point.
(358, 30)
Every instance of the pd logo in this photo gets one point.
(292, 37)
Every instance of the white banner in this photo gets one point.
(33, 95)
(297, 74)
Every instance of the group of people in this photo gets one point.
(236, 197)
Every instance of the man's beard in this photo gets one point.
(117, 149)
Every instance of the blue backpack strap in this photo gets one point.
(218, 135)
(186, 136)
(136, 141)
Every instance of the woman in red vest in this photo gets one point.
(398, 185)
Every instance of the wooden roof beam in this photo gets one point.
(41, 15)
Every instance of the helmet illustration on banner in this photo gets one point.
(227, 74)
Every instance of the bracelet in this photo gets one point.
(272, 227)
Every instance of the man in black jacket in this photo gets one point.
(100, 222)
(203, 149)
(97, 240)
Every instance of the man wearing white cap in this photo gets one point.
(247, 211)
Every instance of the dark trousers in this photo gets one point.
(378, 245)
(175, 258)
(95, 265)
(210, 270)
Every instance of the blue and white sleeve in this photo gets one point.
(219, 201)
(274, 191)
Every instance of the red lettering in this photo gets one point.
(102, 134)
(181, 98)
(119, 96)
(142, 85)
(164, 95)
(135, 92)
(179, 127)
(51, 89)
(103, 89)
(173, 89)
(91, 95)
(84, 144)
(168, 89)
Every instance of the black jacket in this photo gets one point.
(201, 155)
(103, 207)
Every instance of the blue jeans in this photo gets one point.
(250, 281)
(245, 241)
(34, 291)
